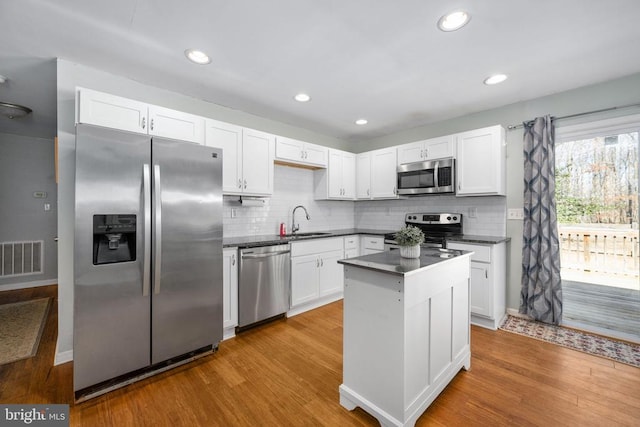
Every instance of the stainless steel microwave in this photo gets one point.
(431, 176)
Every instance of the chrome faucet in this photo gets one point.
(295, 227)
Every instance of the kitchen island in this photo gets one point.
(406, 331)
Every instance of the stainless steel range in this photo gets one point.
(435, 226)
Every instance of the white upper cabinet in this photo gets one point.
(103, 109)
(338, 181)
(303, 153)
(363, 176)
(481, 162)
(247, 158)
(383, 173)
(229, 138)
(175, 124)
(376, 174)
(257, 162)
(434, 148)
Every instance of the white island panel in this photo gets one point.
(405, 336)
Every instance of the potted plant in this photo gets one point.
(409, 239)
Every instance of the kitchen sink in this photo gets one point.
(293, 236)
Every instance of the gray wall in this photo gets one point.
(71, 75)
(27, 165)
(617, 92)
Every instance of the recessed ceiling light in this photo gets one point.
(361, 122)
(495, 79)
(302, 97)
(197, 56)
(454, 20)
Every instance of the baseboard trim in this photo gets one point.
(62, 356)
(26, 285)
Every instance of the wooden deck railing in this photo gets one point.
(610, 251)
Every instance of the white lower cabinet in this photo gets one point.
(352, 246)
(229, 291)
(487, 291)
(371, 244)
(316, 276)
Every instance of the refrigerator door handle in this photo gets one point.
(158, 230)
(146, 190)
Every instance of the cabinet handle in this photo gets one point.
(422, 154)
(486, 274)
(151, 124)
(245, 184)
(144, 122)
(426, 153)
(306, 154)
(368, 192)
(301, 154)
(395, 191)
(321, 262)
(239, 183)
(233, 259)
(317, 263)
(459, 184)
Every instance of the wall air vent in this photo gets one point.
(21, 258)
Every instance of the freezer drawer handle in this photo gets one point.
(266, 255)
(146, 181)
(158, 231)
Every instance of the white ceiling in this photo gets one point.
(385, 60)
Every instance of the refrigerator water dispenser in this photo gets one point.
(114, 238)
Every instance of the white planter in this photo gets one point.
(410, 251)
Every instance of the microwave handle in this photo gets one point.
(436, 184)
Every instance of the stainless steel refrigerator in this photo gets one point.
(148, 255)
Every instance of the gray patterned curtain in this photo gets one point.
(541, 294)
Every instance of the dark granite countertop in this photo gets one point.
(274, 239)
(391, 261)
(470, 238)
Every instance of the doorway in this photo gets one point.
(597, 207)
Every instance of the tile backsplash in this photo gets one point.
(294, 186)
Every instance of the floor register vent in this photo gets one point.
(21, 258)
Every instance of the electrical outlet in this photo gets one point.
(516, 214)
(234, 213)
(473, 212)
(47, 207)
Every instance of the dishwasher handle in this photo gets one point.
(264, 255)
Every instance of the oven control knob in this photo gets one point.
(448, 218)
(455, 218)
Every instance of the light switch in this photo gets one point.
(47, 207)
(473, 212)
(516, 214)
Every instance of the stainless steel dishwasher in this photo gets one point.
(263, 283)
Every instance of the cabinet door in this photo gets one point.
(335, 174)
(289, 149)
(230, 288)
(481, 162)
(351, 253)
(257, 162)
(384, 176)
(348, 176)
(331, 273)
(409, 153)
(229, 138)
(363, 176)
(315, 155)
(304, 279)
(480, 289)
(437, 148)
(176, 124)
(102, 109)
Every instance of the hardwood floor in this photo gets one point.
(605, 310)
(287, 373)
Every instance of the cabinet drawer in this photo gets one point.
(351, 242)
(482, 253)
(373, 242)
(316, 246)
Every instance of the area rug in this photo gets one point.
(619, 351)
(21, 325)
